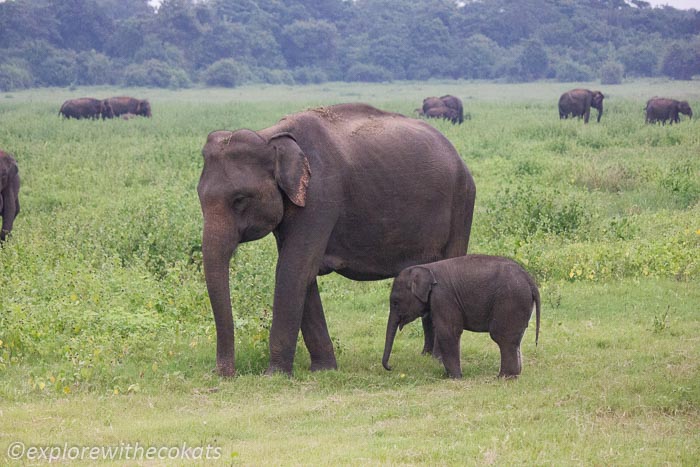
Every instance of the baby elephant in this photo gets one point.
(475, 292)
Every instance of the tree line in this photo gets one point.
(230, 42)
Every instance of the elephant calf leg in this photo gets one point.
(511, 360)
(448, 346)
(428, 335)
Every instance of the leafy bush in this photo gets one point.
(226, 73)
(179, 79)
(94, 68)
(154, 73)
(367, 73)
(14, 76)
(524, 211)
(269, 76)
(309, 75)
(567, 71)
(57, 69)
(683, 182)
(611, 73)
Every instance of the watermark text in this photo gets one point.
(17, 450)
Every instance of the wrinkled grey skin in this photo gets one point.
(475, 293)
(86, 107)
(348, 189)
(447, 107)
(123, 105)
(661, 109)
(9, 193)
(578, 103)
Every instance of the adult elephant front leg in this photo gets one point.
(315, 332)
(295, 281)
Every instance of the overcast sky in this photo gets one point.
(683, 4)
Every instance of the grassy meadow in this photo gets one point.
(107, 338)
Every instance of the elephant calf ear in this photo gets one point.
(422, 281)
(292, 171)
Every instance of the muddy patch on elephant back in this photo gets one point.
(369, 127)
(327, 114)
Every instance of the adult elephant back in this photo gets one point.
(122, 105)
(348, 189)
(86, 107)
(578, 103)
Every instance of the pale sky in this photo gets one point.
(680, 4)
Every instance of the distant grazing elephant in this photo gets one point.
(9, 193)
(578, 103)
(660, 109)
(86, 107)
(454, 103)
(129, 105)
(346, 188)
(447, 107)
(442, 112)
(475, 293)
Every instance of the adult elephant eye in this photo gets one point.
(239, 203)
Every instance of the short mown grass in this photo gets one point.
(106, 335)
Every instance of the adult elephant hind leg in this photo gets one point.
(315, 332)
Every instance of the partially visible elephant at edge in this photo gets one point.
(661, 109)
(578, 103)
(130, 105)
(86, 107)
(9, 193)
(348, 189)
(476, 293)
(447, 107)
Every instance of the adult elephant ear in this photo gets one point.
(292, 171)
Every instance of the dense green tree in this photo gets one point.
(308, 43)
(639, 59)
(680, 61)
(82, 24)
(533, 61)
(316, 40)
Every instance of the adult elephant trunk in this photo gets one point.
(391, 328)
(219, 241)
(600, 112)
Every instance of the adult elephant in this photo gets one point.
(661, 109)
(9, 193)
(442, 112)
(86, 107)
(454, 103)
(578, 103)
(129, 105)
(348, 189)
(447, 107)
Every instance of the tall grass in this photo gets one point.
(106, 329)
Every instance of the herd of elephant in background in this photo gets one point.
(88, 107)
(573, 103)
(423, 266)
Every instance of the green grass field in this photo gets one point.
(107, 338)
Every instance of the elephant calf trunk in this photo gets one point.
(391, 328)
